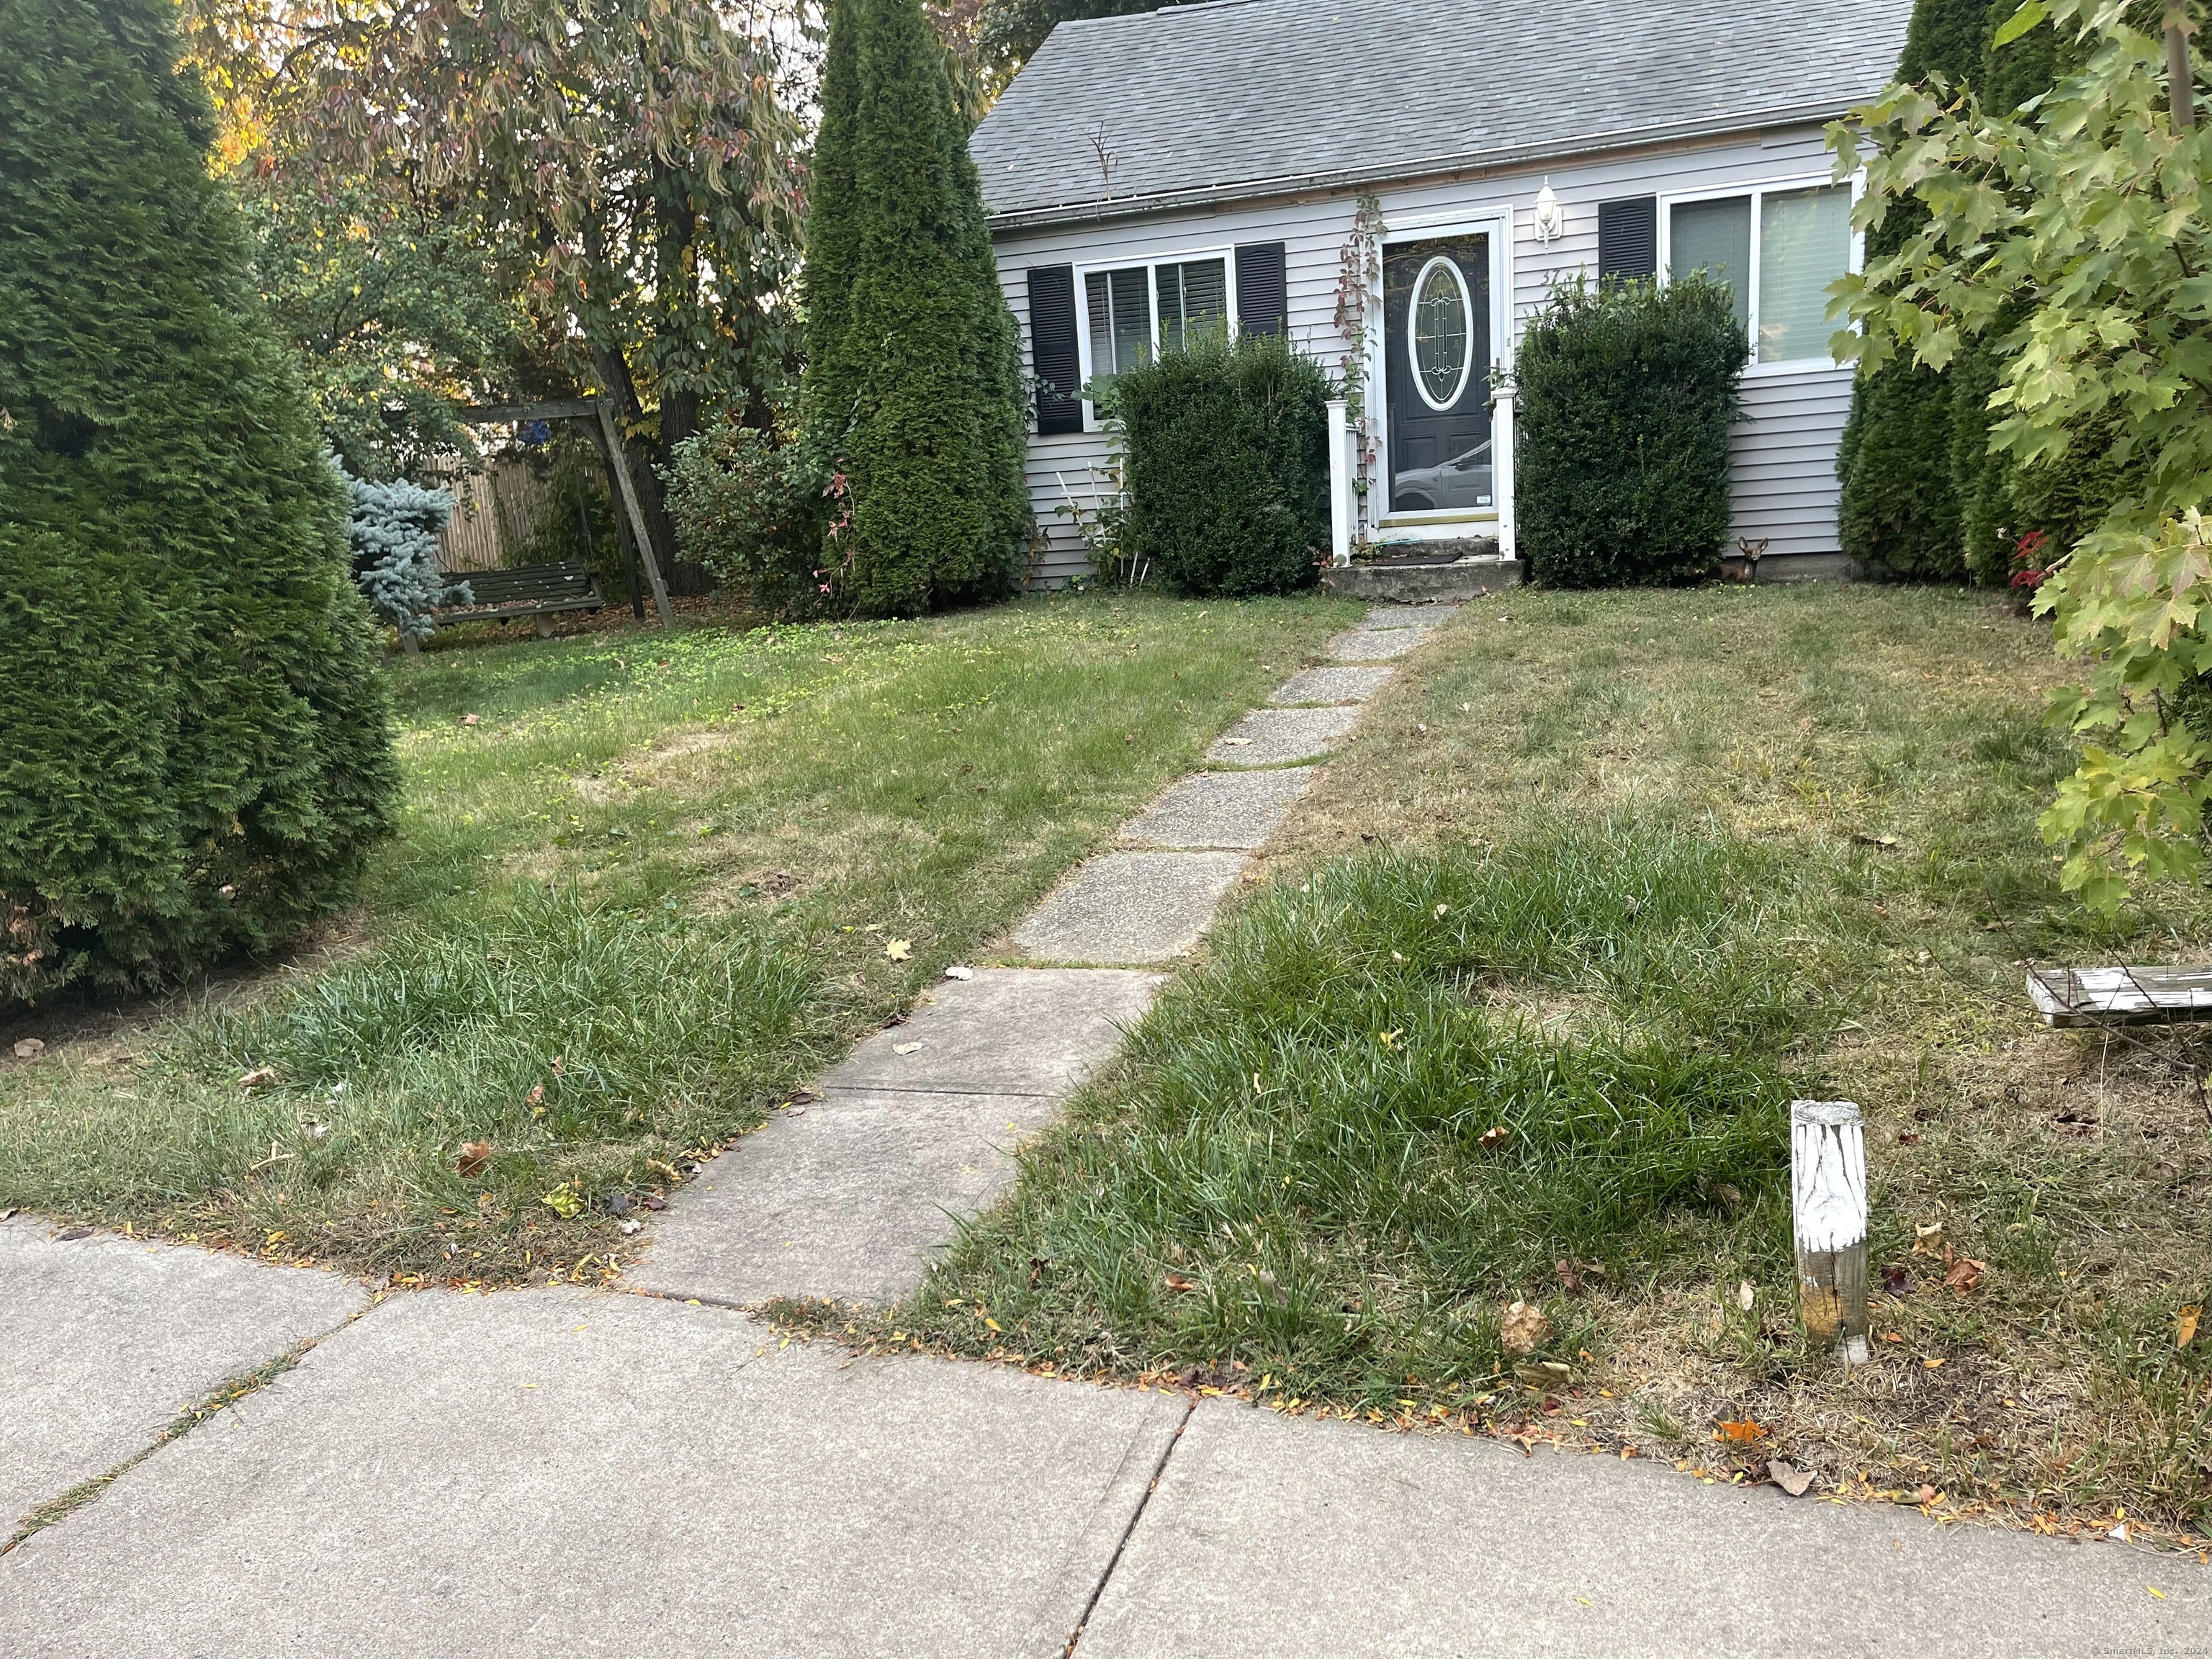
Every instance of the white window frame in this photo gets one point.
(1494, 220)
(1758, 191)
(1151, 264)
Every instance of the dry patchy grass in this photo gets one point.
(1860, 769)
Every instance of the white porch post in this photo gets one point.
(1501, 456)
(1340, 482)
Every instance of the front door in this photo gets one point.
(1436, 338)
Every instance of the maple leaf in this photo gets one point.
(899, 950)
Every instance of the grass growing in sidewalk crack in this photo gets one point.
(221, 1397)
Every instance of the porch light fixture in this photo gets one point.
(1549, 220)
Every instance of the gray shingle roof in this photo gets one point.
(1241, 97)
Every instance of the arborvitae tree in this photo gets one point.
(828, 396)
(195, 751)
(1901, 503)
(920, 347)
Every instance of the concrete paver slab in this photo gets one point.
(1408, 615)
(1006, 1031)
(1288, 1538)
(103, 1339)
(1129, 907)
(1375, 644)
(1331, 685)
(851, 1197)
(559, 1472)
(1268, 737)
(1220, 808)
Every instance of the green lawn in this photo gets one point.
(645, 884)
(1603, 882)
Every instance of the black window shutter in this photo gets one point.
(1628, 237)
(1052, 349)
(1262, 289)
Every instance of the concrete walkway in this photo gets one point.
(573, 1472)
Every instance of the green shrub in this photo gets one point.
(197, 752)
(1922, 497)
(750, 509)
(1627, 392)
(1226, 466)
(1900, 509)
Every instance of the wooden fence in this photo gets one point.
(495, 512)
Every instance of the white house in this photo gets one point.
(1149, 173)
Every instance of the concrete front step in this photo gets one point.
(1414, 584)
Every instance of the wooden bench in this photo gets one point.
(536, 591)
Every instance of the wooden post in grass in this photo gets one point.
(618, 461)
(1828, 1190)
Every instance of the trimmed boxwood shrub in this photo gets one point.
(195, 752)
(1226, 465)
(1627, 392)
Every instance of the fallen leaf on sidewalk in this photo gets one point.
(474, 1156)
(1238, 742)
(904, 1047)
(899, 950)
(1788, 1476)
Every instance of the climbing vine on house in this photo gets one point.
(1359, 278)
(2072, 241)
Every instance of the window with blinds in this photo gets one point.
(1121, 304)
(1778, 250)
(1804, 245)
(1194, 300)
(1138, 310)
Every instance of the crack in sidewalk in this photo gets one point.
(1159, 1470)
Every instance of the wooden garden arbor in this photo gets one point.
(600, 415)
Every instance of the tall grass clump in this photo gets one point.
(579, 1043)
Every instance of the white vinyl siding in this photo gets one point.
(1783, 454)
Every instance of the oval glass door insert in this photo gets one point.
(1444, 327)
